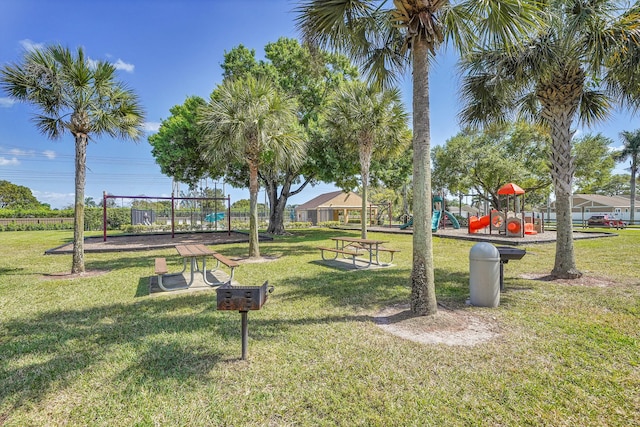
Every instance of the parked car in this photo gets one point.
(605, 221)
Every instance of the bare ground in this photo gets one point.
(459, 327)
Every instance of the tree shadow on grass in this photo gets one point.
(163, 337)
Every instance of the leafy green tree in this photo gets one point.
(13, 196)
(248, 119)
(631, 150)
(311, 79)
(370, 121)
(77, 96)
(593, 162)
(566, 72)
(482, 162)
(175, 145)
(384, 41)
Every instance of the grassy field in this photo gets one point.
(100, 351)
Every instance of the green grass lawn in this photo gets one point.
(101, 351)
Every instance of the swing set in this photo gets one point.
(149, 216)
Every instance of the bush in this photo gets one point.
(329, 224)
(305, 224)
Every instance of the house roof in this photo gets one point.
(589, 200)
(335, 199)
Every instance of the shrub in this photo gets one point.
(305, 224)
(329, 224)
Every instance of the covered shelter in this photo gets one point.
(335, 206)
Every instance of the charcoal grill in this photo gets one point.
(508, 253)
(243, 299)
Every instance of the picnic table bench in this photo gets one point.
(356, 248)
(193, 252)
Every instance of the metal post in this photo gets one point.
(104, 216)
(173, 216)
(245, 334)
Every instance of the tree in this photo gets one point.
(593, 162)
(311, 79)
(562, 74)
(78, 96)
(13, 196)
(368, 120)
(380, 39)
(248, 119)
(175, 145)
(631, 150)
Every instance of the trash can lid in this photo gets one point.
(484, 251)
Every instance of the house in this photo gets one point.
(585, 205)
(334, 206)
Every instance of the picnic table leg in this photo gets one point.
(194, 268)
(204, 271)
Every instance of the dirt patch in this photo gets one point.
(448, 326)
(145, 242)
(69, 276)
(585, 280)
(258, 260)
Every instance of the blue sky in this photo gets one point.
(165, 50)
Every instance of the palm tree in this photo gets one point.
(248, 119)
(372, 121)
(384, 40)
(631, 150)
(557, 77)
(78, 96)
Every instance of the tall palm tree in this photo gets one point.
(78, 96)
(384, 38)
(370, 120)
(559, 76)
(631, 150)
(248, 119)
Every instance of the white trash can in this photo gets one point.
(484, 275)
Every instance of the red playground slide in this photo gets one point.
(476, 224)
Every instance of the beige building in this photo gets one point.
(585, 205)
(334, 206)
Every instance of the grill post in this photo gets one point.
(245, 333)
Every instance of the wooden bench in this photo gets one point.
(161, 270)
(161, 266)
(226, 261)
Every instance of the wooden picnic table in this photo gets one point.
(356, 247)
(193, 252)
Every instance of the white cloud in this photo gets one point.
(151, 126)
(49, 154)
(18, 152)
(121, 65)
(55, 200)
(31, 45)
(93, 63)
(9, 162)
(6, 102)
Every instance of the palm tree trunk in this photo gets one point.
(562, 175)
(634, 172)
(77, 263)
(254, 249)
(423, 295)
(365, 162)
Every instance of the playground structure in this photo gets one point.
(508, 223)
(437, 220)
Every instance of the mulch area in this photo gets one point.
(145, 242)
